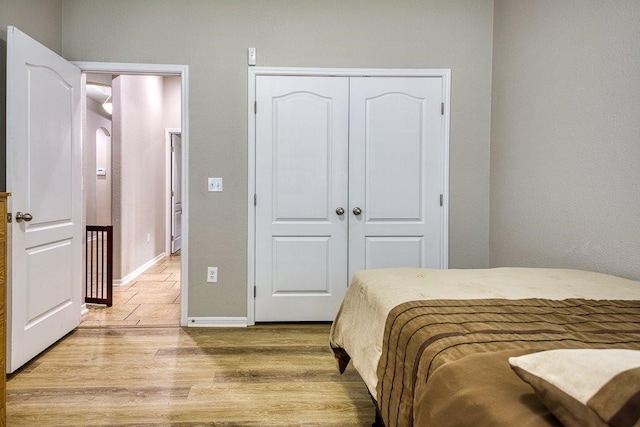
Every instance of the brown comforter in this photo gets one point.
(427, 343)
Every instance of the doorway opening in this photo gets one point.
(134, 181)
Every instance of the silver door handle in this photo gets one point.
(26, 217)
(340, 211)
(357, 211)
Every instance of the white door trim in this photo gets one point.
(183, 72)
(253, 72)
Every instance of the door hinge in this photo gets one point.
(255, 200)
(442, 109)
(255, 291)
(255, 107)
(441, 200)
(8, 216)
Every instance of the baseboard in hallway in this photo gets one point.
(153, 299)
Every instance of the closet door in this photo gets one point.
(395, 173)
(301, 185)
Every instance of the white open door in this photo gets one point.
(176, 192)
(44, 177)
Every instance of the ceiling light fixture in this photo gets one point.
(107, 105)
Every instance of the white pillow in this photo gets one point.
(585, 386)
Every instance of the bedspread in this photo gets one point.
(358, 329)
(421, 336)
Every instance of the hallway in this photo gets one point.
(152, 299)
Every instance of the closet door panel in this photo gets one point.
(301, 179)
(393, 148)
(395, 172)
(393, 251)
(302, 150)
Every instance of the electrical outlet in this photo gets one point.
(212, 274)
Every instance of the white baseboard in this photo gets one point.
(217, 322)
(138, 271)
(84, 309)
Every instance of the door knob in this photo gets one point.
(26, 217)
(340, 211)
(357, 211)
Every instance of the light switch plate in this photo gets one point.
(214, 184)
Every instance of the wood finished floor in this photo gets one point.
(132, 365)
(152, 299)
(267, 375)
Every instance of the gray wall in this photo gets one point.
(565, 180)
(138, 159)
(94, 186)
(565, 149)
(42, 20)
(212, 36)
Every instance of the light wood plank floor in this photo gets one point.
(152, 299)
(259, 376)
(112, 372)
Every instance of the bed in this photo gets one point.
(473, 347)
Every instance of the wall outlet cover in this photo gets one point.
(212, 274)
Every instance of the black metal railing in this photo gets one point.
(99, 263)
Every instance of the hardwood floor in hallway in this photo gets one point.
(152, 299)
(266, 375)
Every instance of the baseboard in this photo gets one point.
(217, 322)
(138, 271)
(83, 309)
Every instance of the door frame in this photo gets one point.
(253, 72)
(164, 70)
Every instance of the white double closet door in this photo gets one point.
(349, 176)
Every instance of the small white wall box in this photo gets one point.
(101, 172)
(214, 184)
(251, 56)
